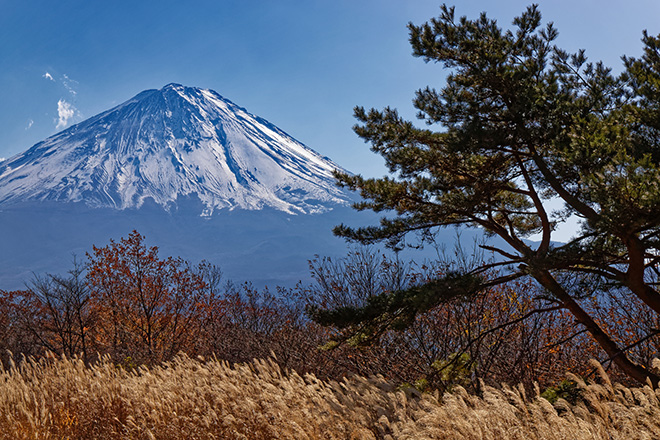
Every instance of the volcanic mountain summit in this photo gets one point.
(169, 143)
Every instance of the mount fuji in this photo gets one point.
(170, 143)
(199, 176)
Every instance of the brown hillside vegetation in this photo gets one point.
(196, 399)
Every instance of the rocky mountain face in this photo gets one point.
(170, 143)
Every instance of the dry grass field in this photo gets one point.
(195, 399)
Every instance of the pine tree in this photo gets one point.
(519, 122)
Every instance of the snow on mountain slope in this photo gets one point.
(170, 143)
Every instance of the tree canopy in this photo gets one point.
(518, 124)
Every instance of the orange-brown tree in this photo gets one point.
(149, 306)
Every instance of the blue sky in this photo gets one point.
(303, 65)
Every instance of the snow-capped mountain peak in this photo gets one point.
(169, 143)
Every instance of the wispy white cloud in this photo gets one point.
(69, 84)
(29, 124)
(66, 109)
(65, 112)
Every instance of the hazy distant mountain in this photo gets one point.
(171, 143)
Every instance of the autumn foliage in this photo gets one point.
(148, 308)
(127, 302)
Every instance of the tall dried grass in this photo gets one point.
(194, 399)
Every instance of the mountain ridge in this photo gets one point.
(171, 142)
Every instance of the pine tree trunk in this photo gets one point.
(620, 359)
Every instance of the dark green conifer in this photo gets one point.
(517, 123)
